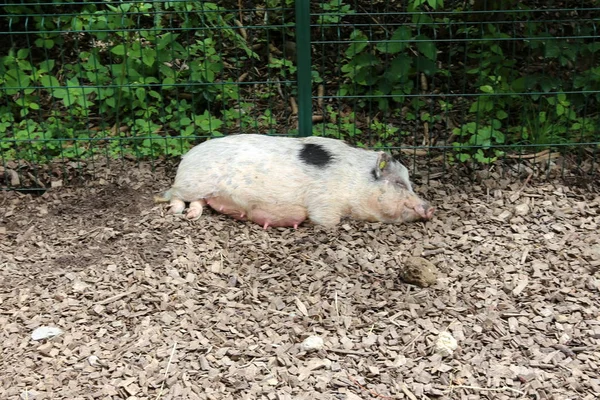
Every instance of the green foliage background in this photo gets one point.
(147, 78)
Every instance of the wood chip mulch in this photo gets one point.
(151, 306)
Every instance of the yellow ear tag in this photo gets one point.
(382, 165)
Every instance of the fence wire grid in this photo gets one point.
(447, 82)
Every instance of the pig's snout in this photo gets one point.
(424, 210)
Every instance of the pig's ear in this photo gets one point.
(383, 164)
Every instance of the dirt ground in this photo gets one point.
(152, 306)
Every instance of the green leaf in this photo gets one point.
(427, 48)
(355, 47)
(580, 81)
(76, 24)
(560, 109)
(435, 4)
(140, 93)
(155, 94)
(44, 43)
(49, 81)
(496, 49)
(166, 40)
(22, 53)
(501, 114)
(47, 65)
(148, 56)
(479, 156)
(168, 82)
(398, 41)
(204, 125)
(425, 65)
(118, 50)
(16, 79)
(59, 93)
(487, 89)
(552, 48)
(499, 136)
(24, 65)
(548, 83)
(524, 83)
(399, 68)
(366, 76)
(463, 157)
(594, 47)
(421, 19)
(68, 100)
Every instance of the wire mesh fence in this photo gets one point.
(450, 82)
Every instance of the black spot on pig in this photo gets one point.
(315, 154)
(374, 174)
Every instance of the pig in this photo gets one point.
(284, 181)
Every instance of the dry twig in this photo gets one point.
(162, 385)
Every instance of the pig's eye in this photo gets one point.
(401, 184)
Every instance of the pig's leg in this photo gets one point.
(176, 206)
(195, 210)
(323, 209)
(325, 217)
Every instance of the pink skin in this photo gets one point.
(294, 217)
(194, 210)
(266, 219)
(227, 207)
(418, 212)
(425, 211)
(410, 208)
(413, 209)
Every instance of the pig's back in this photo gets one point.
(250, 168)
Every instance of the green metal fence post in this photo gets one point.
(304, 67)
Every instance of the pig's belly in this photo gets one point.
(278, 216)
(226, 206)
(263, 214)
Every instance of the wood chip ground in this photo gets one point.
(152, 306)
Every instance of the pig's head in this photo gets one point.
(395, 198)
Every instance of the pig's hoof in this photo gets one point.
(193, 214)
(194, 211)
(176, 206)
